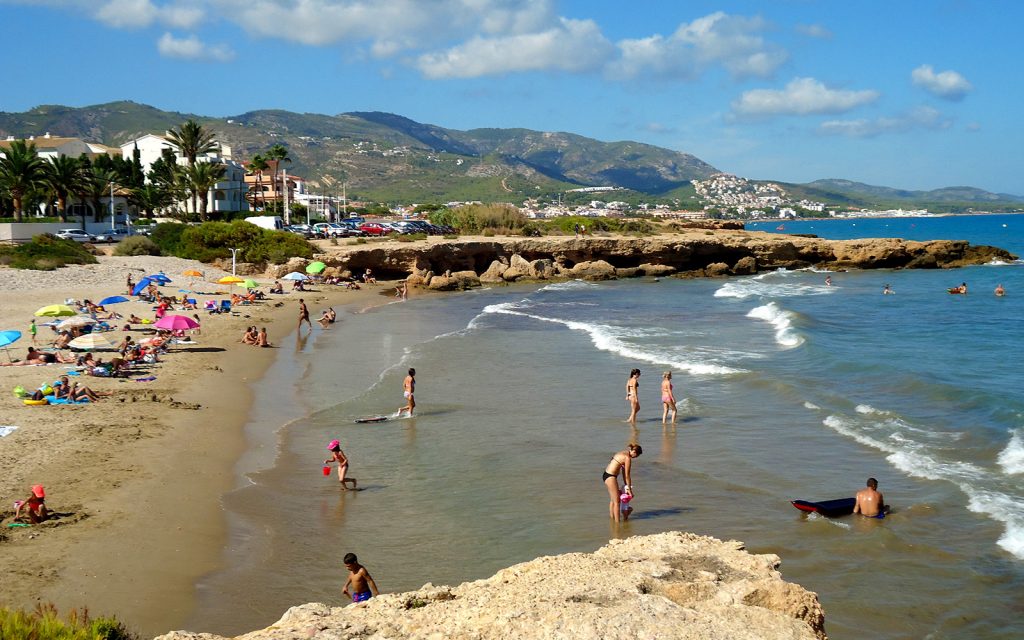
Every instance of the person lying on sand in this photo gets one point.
(75, 393)
(40, 357)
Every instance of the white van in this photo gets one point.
(274, 223)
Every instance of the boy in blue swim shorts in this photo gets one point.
(363, 586)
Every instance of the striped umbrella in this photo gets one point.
(92, 341)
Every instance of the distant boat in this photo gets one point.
(781, 227)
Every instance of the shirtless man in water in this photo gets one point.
(870, 503)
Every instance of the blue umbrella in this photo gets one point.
(6, 338)
(113, 300)
(141, 286)
(159, 278)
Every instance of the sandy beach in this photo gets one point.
(136, 479)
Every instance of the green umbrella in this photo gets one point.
(316, 267)
(248, 284)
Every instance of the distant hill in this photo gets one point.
(387, 157)
(857, 194)
(383, 156)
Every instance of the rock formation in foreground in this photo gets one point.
(669, 585)
(460, 264)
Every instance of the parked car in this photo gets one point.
(375, 229)
(352, 230)
(301, 230)
(75, 234)
(112, 235)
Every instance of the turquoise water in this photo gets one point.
(788, 389)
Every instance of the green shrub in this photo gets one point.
(136, 246)
(46, 253)
(356, 241)
(45, 623)
(451, 236)
(167, 236)
(475, 218)
(488, 233)
(212, 240)
(412, 237)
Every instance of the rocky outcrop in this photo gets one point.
(692, 253)
(669, 585)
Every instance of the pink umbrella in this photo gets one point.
(176, 323)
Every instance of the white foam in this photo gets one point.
(782, 320)
(6, 431)
(607, 338)
(758, 287)
(1002, 508)
(811, 406)
(1011, 459)
(569, 285)
(868, 409)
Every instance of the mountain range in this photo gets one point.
(386, 157)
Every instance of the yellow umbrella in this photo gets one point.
(229, 280)
(92, 341)
(55, 310)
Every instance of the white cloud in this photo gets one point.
(945, 84)
(191, 48)
(920, 118)
(717, 39)
(574, 46)
(814, 31)
(134, 14)
(802, 96)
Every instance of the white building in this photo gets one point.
(227, 195)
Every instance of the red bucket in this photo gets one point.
(327, 470)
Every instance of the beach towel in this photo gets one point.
(7, 430)
(64, 400)
(145, 379)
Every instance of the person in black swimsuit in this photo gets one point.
(621, 461)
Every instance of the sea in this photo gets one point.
(788, 389)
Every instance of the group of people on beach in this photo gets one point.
(668, 397)
(256, 338)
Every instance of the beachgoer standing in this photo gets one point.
(363, 586)
(576, 229)
(409, 391)
(34, 505)
(131, 284)
(34, 330)
(668, 398)
(887, 291)
(337, 455)
(304, 314)
(1000, 291)
(870, 503)
(621, 461)
(633, 395)
(828, 281)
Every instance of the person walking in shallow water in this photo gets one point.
(668, 398)
(337, 455)
(409, 391)
(304, 314)
(633, 395)
(621, 461)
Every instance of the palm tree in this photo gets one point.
(95, 185)
(276, 155)
(21, 171)
(201, 178)
(258, 165)
(152, 197)
(192, 140)
(63, 177)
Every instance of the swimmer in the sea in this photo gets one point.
(870, 502)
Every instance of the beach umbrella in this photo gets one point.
(56, 310)
(77, 321)
(7, 338)
(113, 300)
(249, 284)
(295, 275)
(316, 267)
(176, 323)
(229, 280)
(141, 286)
(192, 273)
(159, 278)
(92, 341)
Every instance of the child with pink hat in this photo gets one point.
(337, 455)
(35, 505)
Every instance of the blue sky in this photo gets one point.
(912, 94)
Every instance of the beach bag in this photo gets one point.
(20, 392)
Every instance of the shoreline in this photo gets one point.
(142, 485)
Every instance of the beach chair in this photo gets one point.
(225, 306)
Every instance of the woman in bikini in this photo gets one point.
(633, 395)
(668, 399)
(621, 461)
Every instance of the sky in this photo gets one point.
(911, 94)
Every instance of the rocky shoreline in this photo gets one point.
(668, 585)
(469, 262)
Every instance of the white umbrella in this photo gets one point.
(295, 275)
(92, 341)
(76, 321)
